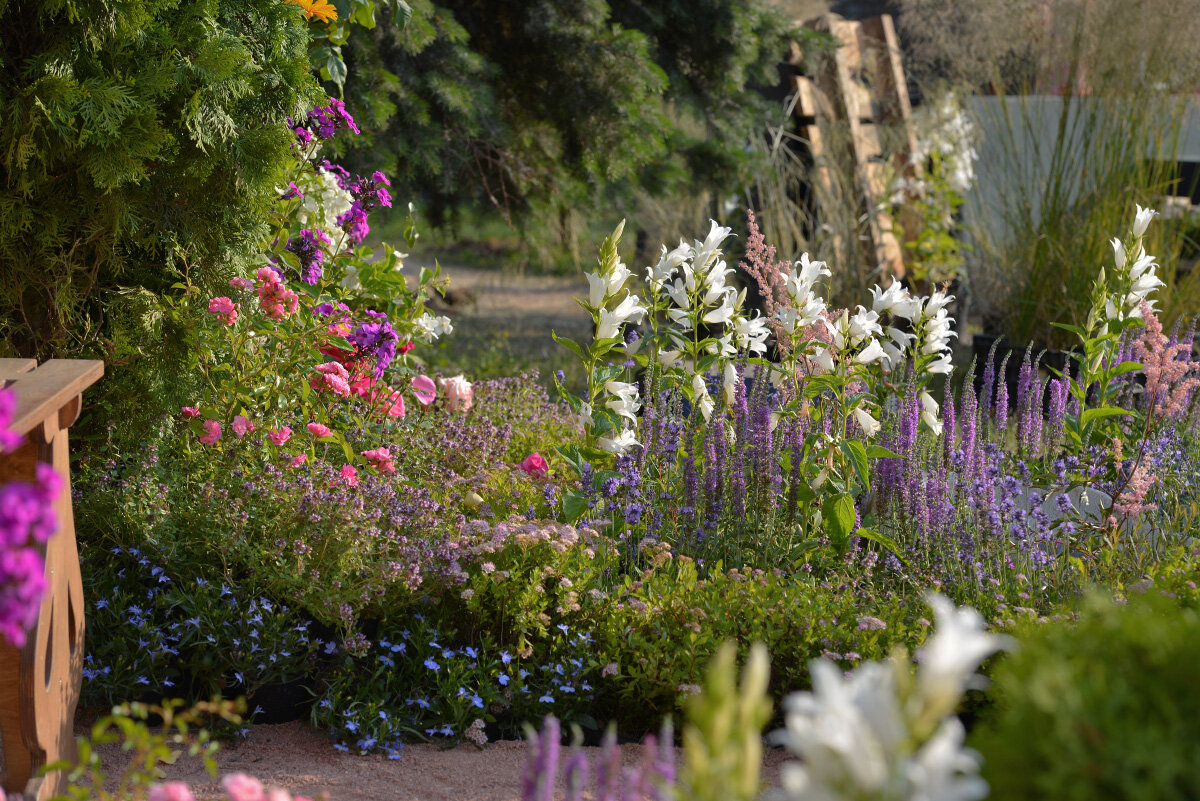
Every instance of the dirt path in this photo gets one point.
(292, 756)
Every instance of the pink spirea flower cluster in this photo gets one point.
(331, 376)
(277, 300)
(380, 459)
(26, 520)
(224, 308)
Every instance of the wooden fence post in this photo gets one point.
(39, 684)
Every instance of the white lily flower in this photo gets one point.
(873, 352)
(808, 273)
(864, 323)
(866, 422)
(945, 770)
(668, 358)
(893, 356)
(611, 321)
(730, 382)
(1141, 220)
(668, 262)
(751, 334)
(936, 302)
(721, 314)
(902, 338)
(619, 443)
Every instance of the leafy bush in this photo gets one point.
(141, 136)
(1100, 707)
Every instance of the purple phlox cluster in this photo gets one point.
(26, 521)
(308, 250)
(653, 778)
(323, 122)
(367, 193)
(376, 338)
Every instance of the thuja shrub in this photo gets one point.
(1107, 697)
(139, 135)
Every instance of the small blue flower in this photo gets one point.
(476, 702)
(341, 747)
(504, 680)
(471, 652)
(505, 657)
(546, 699)
(562, 627)
(429, 663)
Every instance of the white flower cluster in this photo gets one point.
(945, 132)
(875, 734)
(1141, 277)
(430, 328)
(324, 201)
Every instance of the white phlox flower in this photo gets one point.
(430, 328)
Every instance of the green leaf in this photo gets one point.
(402, 13)
(880, 452)
(574, 505)
(1125, 367)
(364, 15)
(1102, 413)
(856, 454)
(335, 70)
(837, 512)
(882, 539)
(569, 344)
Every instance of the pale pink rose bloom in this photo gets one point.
(298, 460)
(535, 465)
(224, 308)
(458, 392)
(212, 432)
(380, 459)
(278, 794)
(190, 412)
(319, 430)
(331, 376)
(350, 475)
(240, 787)
(170, 791)
(241, 426)
(424, 389)
(245, 284)
(278, 436)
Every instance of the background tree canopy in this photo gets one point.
(558, 104)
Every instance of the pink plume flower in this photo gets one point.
(212, 432)
(190, 412)
(224, 308)
(380, 459)
(170, 791)
(350, 475)
(242, 426)
(424, 389)
(240, 787)
(535, 465)
(278, 436)
(319, 430)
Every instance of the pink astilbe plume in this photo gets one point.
(770, 275)
(1171, 375)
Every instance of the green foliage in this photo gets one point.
(1099, 708)
(140, 136)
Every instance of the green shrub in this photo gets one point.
(1104, 707)
(139, 135)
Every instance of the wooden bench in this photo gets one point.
(39, 684)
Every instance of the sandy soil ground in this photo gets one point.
(292, 756)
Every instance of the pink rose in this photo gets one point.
(535, 465)
(278, 436)
(333, 377)
(170, 791)
(350, 475)
(424, 389)
(241, 426)
(240, 787)
(278, 794)
(276, 300)
(212, 432)
(190, 412)
(458, 392)
(225, 308)
(380, 459)
(396, 409)
(319, 430)
(298, 460)
(244, 284)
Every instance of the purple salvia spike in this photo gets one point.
(608, 768)
(548, 759)
(576, 774)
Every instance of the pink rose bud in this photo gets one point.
(278, 436)
(212, 432)
(535, 465)
(190, 412)
(319, 430)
